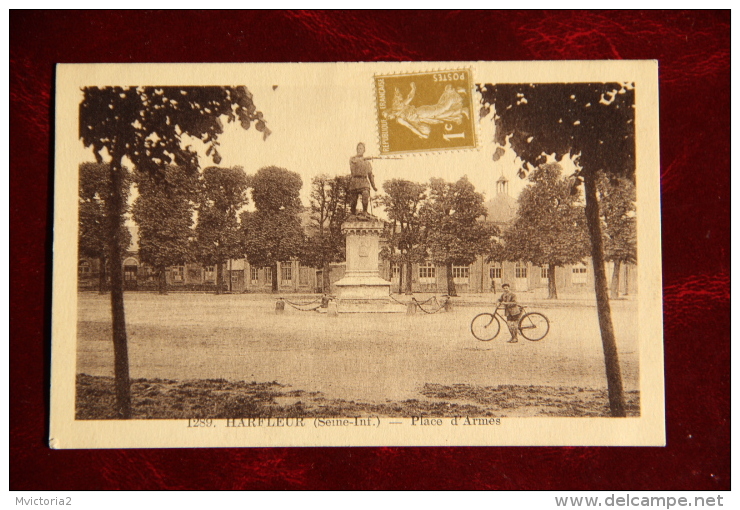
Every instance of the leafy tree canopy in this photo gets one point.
(271, 238)
(325, 242)
(617, 198)
(94, 191)
(402, 202)
(164, 212)
(273, 233)
(550, 227)
(592, 122)
(277, 189)
(223, 192)
(453, 232)
(147, 124)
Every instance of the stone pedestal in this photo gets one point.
(362, 289)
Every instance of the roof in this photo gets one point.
(501, 209)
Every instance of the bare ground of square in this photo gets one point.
(376, 359)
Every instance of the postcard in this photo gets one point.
(357, 254)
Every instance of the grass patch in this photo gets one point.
(220, 399)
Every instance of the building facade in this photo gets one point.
(238, 276)
(479, 277)
(488, 277)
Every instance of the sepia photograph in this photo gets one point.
(426, 253)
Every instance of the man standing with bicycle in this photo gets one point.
(513, 312)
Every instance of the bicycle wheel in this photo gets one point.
(534, 326)
(485, 327)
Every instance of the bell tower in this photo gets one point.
(502, 185)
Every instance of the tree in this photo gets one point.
(150, 127)
(273, 232)
(593, 124)
(452, 231)
(93, 241)
(402, 202)
(617, 198)
(550, 228)
(223, 193)
(325, 242)
(164, 212)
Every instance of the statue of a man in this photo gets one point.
(361, 179)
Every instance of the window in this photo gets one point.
(145, 273)
(129, 273)
(254, 274)
(461, 271)
(579, 274)
(395, 271)
(520, 270)
(268, 276)
(461, 274)
(427, 272)
(210, 273)
(286, 272)
(494, 272)
(235, 277)
(177, 273)
(84, 267)
(545, 272)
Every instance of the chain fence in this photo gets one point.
(429, 306)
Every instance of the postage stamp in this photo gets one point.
(425, 111)
(243, 256)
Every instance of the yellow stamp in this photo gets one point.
(425, 111)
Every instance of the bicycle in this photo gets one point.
(533, 326)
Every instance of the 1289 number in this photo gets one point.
(192, 422)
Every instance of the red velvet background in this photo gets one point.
(694, 53)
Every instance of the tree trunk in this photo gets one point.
(101, 276)
(326, 277)
(401, 268)
(611, 357)
(552, 291)
(120, 343)
(451, 290)
(229, 278)
(275, 276)
(626, 279)
(615, 279)
(482, 277)
(219, 277)
(162, 280)
(409, 274)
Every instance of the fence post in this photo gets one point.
(448, 305)
(333, 310)
(411, 307)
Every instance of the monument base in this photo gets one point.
(362, 290)
(365, 293)
(363, 286)
(369, 306)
